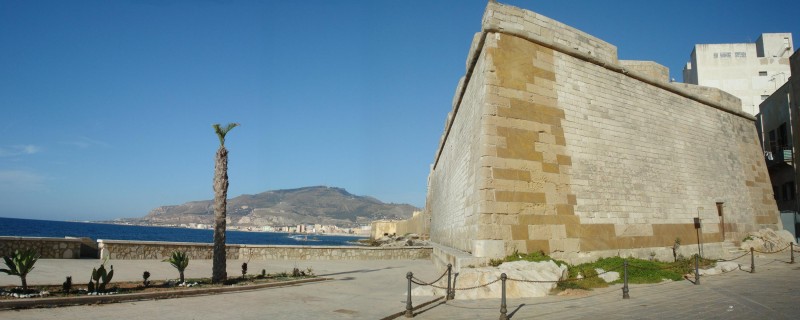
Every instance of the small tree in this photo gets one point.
(20, 264)
(180, 261)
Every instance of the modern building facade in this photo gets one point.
(749, 71)
(778, 124)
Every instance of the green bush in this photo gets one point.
(20, 264)
(179, 260)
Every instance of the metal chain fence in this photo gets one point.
(450, 290)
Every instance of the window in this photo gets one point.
(772, 143)
(786, 42)
(716, 55)
(788, 191)
(725, 55)
(762, 73)
(783, 140)
(741, 55)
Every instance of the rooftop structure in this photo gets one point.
(749, 71)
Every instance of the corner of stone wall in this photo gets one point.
(651, 69)
(723, 100)
(530, 25)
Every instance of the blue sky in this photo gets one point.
(107, 106)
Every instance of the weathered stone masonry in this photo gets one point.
(555, 145)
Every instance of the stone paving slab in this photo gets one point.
(773, 292)
(376, 289)
(360, 290)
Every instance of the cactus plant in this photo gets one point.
(20, 264)
(100, 277)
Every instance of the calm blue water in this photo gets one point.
(60, 229)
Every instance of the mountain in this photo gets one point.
(324, 205)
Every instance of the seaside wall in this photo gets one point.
(143, 250)
(48, 248)
(555, 145)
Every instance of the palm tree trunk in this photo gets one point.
(24, 283)
(220, 202)
(182, 279)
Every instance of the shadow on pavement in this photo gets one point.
(346, 272)
(511, 315)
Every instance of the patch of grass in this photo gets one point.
(532, 257)
(639, 271)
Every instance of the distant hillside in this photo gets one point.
(325, 205)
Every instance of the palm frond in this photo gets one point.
(221, 132)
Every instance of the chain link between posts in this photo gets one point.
(772, 252)
(737, 258)
(423, 283)
(420, 282)
(417, 281)
(567, 280)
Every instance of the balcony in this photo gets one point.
(780, 155)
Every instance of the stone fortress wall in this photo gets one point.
(418, 224)
(553, 144)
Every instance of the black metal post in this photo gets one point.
(791, 249)
(752, 260)
(503, 310)
(409, 308)
(696, 270)
(449, 295)
(453, 292)
(625, 290)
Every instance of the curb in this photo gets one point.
(83, 300)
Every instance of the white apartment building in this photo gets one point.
(749, 71)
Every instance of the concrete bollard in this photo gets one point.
(752, 260)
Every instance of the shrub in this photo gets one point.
(66, 287)
(145, 278)
(20, 264)
(180, 261)
(244, 269)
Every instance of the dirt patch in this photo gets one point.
(573, 293)
(119, 288)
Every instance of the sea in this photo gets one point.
(59, 229)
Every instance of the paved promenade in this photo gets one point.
(376, 289)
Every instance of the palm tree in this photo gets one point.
(20, 264)
(218, 272)
(180, 261)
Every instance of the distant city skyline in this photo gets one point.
(107, 106)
